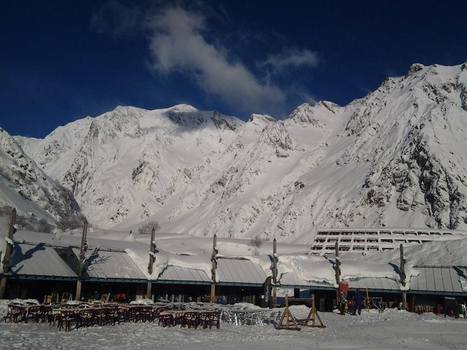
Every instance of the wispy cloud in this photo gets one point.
(177, 43)
(291, 58)
(116, 18)
(183, 38)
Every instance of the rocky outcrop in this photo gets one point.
(31, 190)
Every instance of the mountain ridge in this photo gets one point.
(393, 156)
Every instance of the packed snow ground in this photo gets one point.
(389, 330)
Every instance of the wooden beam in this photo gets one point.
(288, 321)
(7, 254)
(82, 257)
(275, 273)
(313, 319)
(152, 259)
(214, 268)
(403, 276)
(337, 269)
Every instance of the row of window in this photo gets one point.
(354, 248)
(370, 240)
(402, 233)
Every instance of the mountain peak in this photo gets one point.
(416, 67)
(183, 108)
(256, 118)
(316, 114)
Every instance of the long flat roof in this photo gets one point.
(239, 271)
(33, 260)
(112, 265)
(41, 260)
(439, 279)
(183, 274)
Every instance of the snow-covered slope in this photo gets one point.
(394, 158)
(26, 187)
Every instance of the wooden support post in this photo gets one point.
(213, 293)
(149, 290)
(367, 299)
(213, 269)
(337, 270)
(82, 257)
(152, 259)
(275, 280)
(403, 276)
(5, 263)
(78, 290)
(267, 289)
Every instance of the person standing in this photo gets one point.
(358, 301)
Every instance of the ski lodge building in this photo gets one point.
(364, 239)
(42, 265)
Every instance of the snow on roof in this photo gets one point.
(291, 279)
(188, 260)
(113, 265)
(39, 260)
(74, 240)
(439, 279)
(184, 274)
(241, 271)
(372, 283)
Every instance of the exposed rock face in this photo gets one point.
(25, 186)
(393, 158)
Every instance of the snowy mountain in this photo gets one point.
(393, 158)
(25, 186)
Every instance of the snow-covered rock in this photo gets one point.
(25, 186)
(393, 158)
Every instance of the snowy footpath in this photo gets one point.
(389, 330)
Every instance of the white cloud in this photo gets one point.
(292, 58)
(177, 44)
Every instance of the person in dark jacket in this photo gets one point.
(358, 301)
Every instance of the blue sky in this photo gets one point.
(62, 60)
